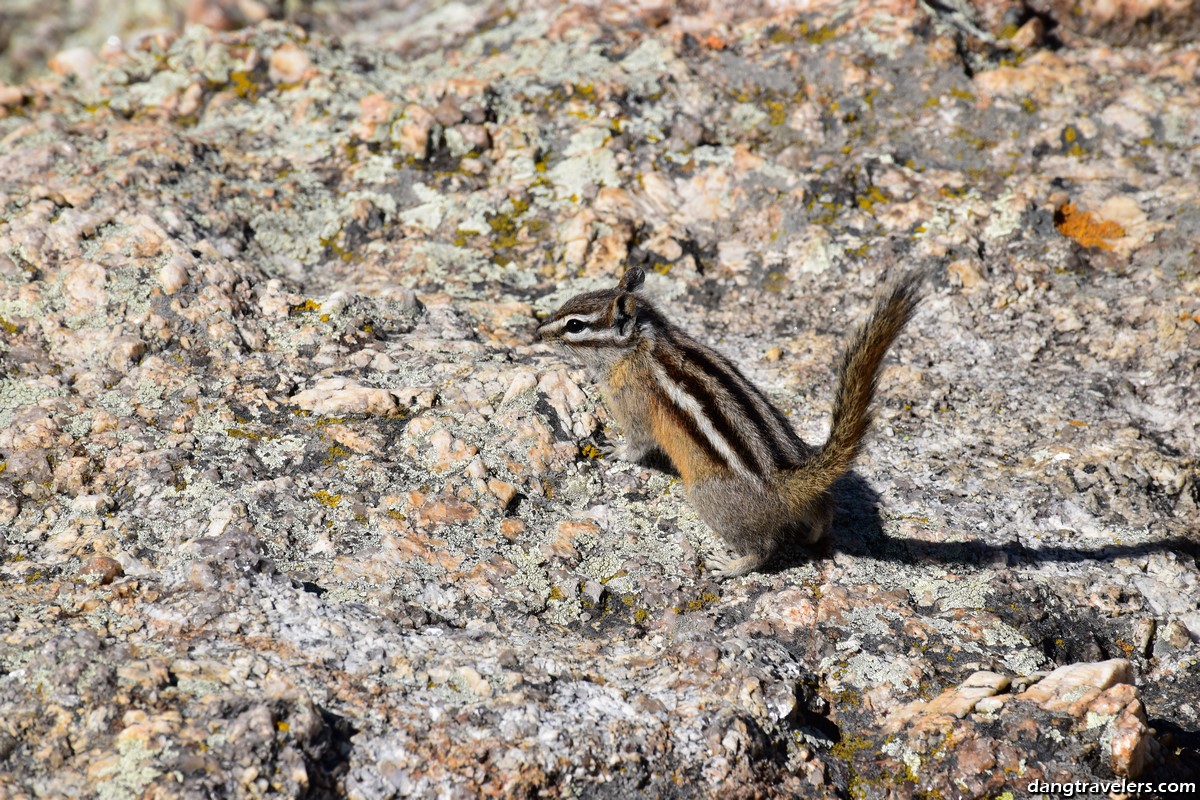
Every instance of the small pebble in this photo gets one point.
(105, 569)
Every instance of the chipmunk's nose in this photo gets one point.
(541, 332)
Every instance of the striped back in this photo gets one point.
(739, 427)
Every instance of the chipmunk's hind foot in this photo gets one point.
(727, 565)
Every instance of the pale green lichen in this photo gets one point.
(650, 59)
(588, 164)
(150, 394)
(748, 116)
(964, 593)
(132, 773)
(78, 425)
(431, 210)
(1018, 655)
(898, 748)
(529, 572)
(377, 169)
(872, 670)
(1005, 219)
(16, 393)
(212, 419)
(162, 86)
(563, 611)
(277, 453)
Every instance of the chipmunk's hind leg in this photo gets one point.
(746, 515)
(812, 523)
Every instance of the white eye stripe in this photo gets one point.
(586, 318)
(588, 335)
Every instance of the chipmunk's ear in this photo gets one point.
(632, 280)
(624, 306)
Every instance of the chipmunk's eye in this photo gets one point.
(574, 325)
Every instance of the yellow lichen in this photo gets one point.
(336, 451)
(818, 35)
(872, 196)
(777, 113)
(243, 85)
(702, 602)
(326, 499)
(336, 247)
(461, 235)
(307, 305)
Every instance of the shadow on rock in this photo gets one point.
(858, 530)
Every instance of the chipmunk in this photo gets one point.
(747, 474)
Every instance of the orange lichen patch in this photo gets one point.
(1085, 228)
(715, 42)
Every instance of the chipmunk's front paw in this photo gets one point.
(623, 451)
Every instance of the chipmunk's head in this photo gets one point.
(599, 326)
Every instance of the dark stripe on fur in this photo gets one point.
(733, 381)
(720, 421)
(684, 420)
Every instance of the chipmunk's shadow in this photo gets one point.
(857, 530)
(857, 527)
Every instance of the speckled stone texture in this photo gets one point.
(292, 505)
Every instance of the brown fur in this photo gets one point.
(670, 431)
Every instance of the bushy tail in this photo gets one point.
(859, 375)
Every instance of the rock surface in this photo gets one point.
(292, 505)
